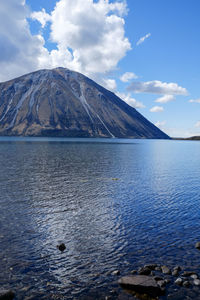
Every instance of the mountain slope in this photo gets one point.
(61, 102)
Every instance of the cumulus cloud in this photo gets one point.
(129, 100)
(85, 32)
(157, 109)
(157, 87)
(194, 100)
(197, 125)
(142, 39)
(20, 51)
(89, 37)
(41, 16)
(126, 77)
(165, 99)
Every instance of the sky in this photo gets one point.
(145, 51)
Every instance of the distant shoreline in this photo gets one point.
(193, 138)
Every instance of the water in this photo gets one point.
(116, 204)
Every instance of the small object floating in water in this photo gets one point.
(61, 247)
(115, 178)
(197, 246)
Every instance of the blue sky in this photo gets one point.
(146, 51)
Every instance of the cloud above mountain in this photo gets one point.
(84, 32)
(157, 87)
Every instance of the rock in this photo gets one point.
(175, 273)
(186, 283)
(157, 278)
(194, 276)
(188, 273)
(6, 295)
(158, 269)
(142, 284)
(167, 281)
(197, 245)
(144, 271)
(179, 281)
(177, 268)
(116, 272)
(196, 282)
(61, 247)
(161, 283)
(165, 270)
(151, 266)
(133, 272)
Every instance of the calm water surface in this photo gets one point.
(116, 204)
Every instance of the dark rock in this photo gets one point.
(177, 268)
(116, 272)
(175, 273)
(61, 247)
(6, 295)
(179, 281)
(165, 270)
(133, 272)
(196, 282)
(151, 266)
(188, 273)
(197, 245)
(186, 283)
(144, 271)
(161, 283)
(167, 281)
(157, 278)
(141, 284)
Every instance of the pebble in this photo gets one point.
(197, 245)
(61, 247)
(175, 273)
(116, 272)
(196, 282)
(133, 272)
(186, 283)
(151, 266)
(165, 270)
(188, 273)
(194, 276)
(6, 295)
(179, 281)
(144, 271)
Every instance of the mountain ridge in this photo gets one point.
(61, 102)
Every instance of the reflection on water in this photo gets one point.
(116, 204)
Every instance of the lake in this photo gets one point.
(116, 204)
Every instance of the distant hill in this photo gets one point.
(64, 103)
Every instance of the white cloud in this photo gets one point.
(160, 124)
(165, 99)
(19, 50)
(110, 84)
(157, 87)
(89, 36)
(197, 125)
(126, 77)
(157, 109)
(85, 32)
(142, 39)
(130, 101)
(41, 16)
(194, 100)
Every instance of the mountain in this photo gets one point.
(61, 102)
